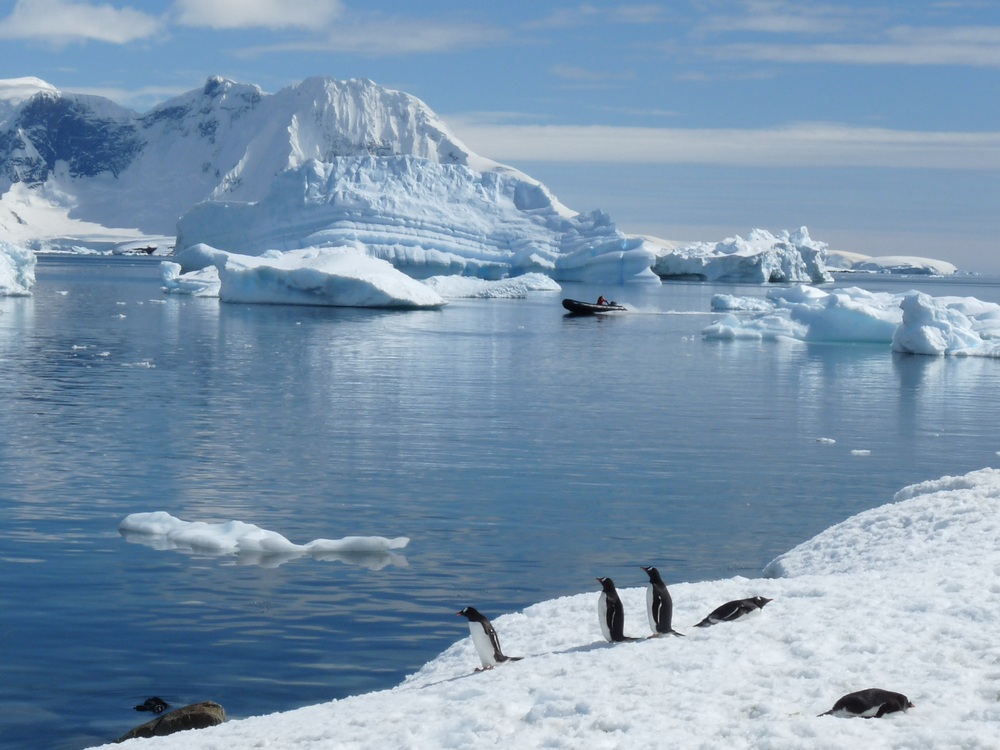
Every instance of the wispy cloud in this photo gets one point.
(392, 36)
(59, 22)
(798, 145)
(270, 14)
(904, 45)
(585, 75)
(588, 13)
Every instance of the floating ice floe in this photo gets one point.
(17, 270)
(760, 258)
(253, 545)
(456, 287)
(913, 322)
(903, 597)
(344, 276)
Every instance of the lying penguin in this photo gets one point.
(485, 639)
(733, 610)
(872, 703)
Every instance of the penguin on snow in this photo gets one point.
(611, 613)
(872, 703)
(734, 610)
(485, 639)
(659, 605)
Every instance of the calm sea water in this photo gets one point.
(523, 452)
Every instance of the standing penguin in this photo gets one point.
(733, 610)
(871, 703)
(659, 605)
(484, 637)
(611, 613)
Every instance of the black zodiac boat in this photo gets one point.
(576, 307)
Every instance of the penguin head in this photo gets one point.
(471, 613)
(760, 601)
(607, 584)
(653, 573)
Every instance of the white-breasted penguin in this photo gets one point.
(734, 610)
(869, 704)
(611, 613)
(659, 605)
(484, 638)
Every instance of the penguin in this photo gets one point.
(484, 637)
(154, 704)
(611, 613)
(870, 703)
(659, 605)
(734, 610)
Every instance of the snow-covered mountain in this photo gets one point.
(318, 163)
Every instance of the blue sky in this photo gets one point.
(876, 123)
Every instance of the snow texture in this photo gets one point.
(903, 597)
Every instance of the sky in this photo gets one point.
(876, 123)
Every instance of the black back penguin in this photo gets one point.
(659, 605)
(484, 638)
(734, 610)
(872, 703)
(611, 613)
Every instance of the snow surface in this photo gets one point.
(904, 597)
(343, 276)
(253, 545)
(17, 270)
(760, 258)
(913, 322)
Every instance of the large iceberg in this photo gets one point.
(426, 218)
(914, 322)
(17, 270)
(759, 259)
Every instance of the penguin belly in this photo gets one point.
(649, 609)
(602, 615)
(484, 645)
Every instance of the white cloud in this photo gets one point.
(237, 14)
(800, 145)
(385, 37)
(60, 22)
(971, 46)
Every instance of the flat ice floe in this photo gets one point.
(253, 545)
(913, 322)
(904, 597)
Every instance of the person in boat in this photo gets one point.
(602, 301)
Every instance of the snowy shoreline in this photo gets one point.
(903, 597)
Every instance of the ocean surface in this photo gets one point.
(522, 451)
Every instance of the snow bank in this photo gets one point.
(759, 259)
(903, 597)
(253, 545)
(17, 270)
(424, 217)
(343, 276)
(913, 322)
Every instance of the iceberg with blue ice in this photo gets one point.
(17, 270)
(914, 322)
